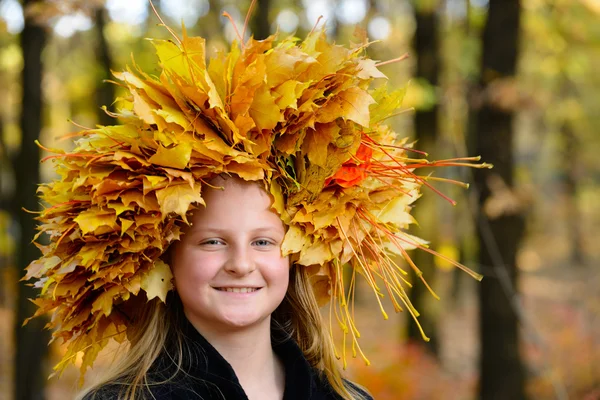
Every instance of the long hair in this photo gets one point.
(157, 328)
(299, 315)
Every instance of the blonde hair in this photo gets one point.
(158, 327)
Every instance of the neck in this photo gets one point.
(246, 348)
(250, 354)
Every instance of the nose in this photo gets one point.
(240, 262)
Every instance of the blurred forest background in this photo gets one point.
(513, 81)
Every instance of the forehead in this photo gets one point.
(231, 187)
(235, 204)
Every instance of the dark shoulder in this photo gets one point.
(174, 389)
(106, 392)
(325, 391)
(116, 391)
(358, 389)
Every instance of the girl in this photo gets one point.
(316, 183)
(241, 324)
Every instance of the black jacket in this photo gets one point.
(209, 376)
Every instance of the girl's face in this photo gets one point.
(228, 268)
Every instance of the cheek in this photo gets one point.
(279, 274)
(192, 269)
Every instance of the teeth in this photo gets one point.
(239, 290)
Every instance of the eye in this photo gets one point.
(212, 242)
(263, 243)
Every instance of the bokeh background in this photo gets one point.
(513, 81)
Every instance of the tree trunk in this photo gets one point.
(426, 48)
(105, 92)
(570, 185)
(260, 27)
(31, 340)
(6, 197)
(210, 25)
(502, 375)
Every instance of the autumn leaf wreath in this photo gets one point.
(298, 116)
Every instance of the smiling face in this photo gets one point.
(228, 268)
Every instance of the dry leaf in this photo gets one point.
(157, 282)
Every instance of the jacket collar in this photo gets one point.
(207, 364)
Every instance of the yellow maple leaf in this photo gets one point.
(177, 199)
(177, 156)
(172, 116)
(318, 253)
(93, 219)
(153, 182)
(119, 207)
(157, 281)
(241, 101)
(125, 225)
(247, 171)
(142, 108)
(397, 211)
(385, 103)
(321, 284)
(281, 65)
(294, 241)
(288, 93)
(368, 69)
(278, 199)
(264, 110)
(172, 58)
(317, 140)
(91, 252)
(148, 203)
(351, 104)
(104, 302)
(129, 158)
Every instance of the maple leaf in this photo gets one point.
(157, 281)
(264, 111)
(94, 219)
(148, 203)
(318, 253)
(354, 171)
(278, 203)
(294, 241)
(368, 69)
(321, 284)
(397, 211)
(177, 156)
(351, 104)
(288, 93)
(385, 103)
(142, 108)
(281, 65)
(317, 141)
(177, 198)
(104, 302)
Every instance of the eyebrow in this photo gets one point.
(220, 231)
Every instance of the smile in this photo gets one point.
(238, 290)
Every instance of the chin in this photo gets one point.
(243, 321)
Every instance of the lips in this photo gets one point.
(238, 289)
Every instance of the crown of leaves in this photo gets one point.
(296, 115)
